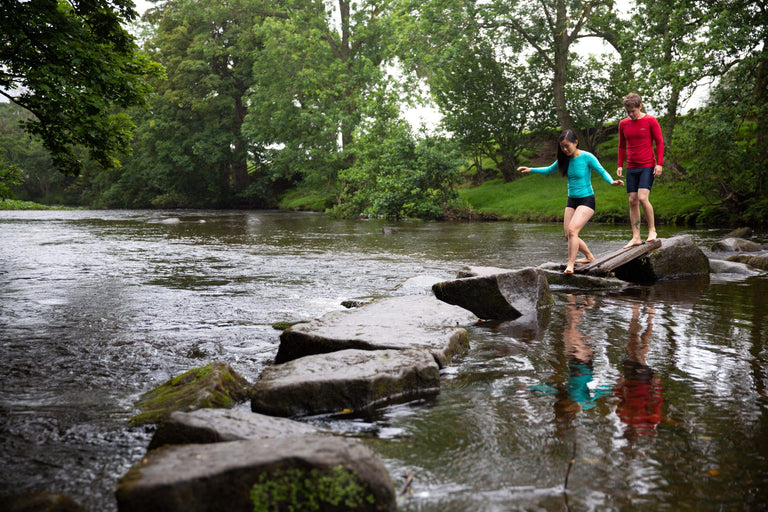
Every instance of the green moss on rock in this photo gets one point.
(215, 385)
(305, 490)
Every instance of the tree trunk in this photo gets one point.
(562, 43)
(240, 177)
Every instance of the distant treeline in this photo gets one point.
(246, 103)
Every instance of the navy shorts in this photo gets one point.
(575, 202)
(641, 177)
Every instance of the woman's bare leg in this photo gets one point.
(573, 222)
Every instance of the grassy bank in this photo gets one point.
(542, 198)
(13, 204)
(536, 198)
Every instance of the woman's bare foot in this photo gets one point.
(633, 243)
(651, 236)
(568, 270)
(588, 259)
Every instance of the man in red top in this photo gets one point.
(638, 133)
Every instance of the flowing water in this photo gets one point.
(645, 398)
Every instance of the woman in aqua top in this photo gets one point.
(577, 166)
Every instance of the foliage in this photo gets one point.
(72, 64)
(306, 490)
(490, 106)
(10, 176)
(397, 176)
(190, 147)
(546, 31)
(716, 148)
(314, 78)
(38, 178)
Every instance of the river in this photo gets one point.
(657, 393)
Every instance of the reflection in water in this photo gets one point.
(574, 394)
(639, 388)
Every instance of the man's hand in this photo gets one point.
(656, 171)
(619, 171)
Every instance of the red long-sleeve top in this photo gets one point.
(636, 140)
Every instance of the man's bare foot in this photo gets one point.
(568, 270)
(651, 236)
(633, 243)
(586, 260)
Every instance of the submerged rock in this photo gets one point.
(677, 258)
(347, 380)
(395, 323)
(731, 267)
(222, 425)
(505, 295)
(214, 385)
(736, 245)
(757, 260)
(332, 473)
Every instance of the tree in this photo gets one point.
(191, 143)
(672, 52)
(396, 175)
(73, 65)
(489, 106)
(550, 28)
(36, 178)
(319, 63)
(722, 148)
(715, 147)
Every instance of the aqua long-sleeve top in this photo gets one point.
(579, 174)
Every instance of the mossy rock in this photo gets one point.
(215, 385)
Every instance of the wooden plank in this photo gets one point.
(605, 263)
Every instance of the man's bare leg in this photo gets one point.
(634, 220)
(645, 203)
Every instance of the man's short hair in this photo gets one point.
(632, 100)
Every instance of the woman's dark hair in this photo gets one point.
(562, 159)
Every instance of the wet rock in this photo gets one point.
(474, 271)
(347, 380)
(418, 285)
(739, 233)
(39, 502)
(677, 258)
(214, 385)
(337, 474)
(758, 260)
(558, 280)
(736, 245)
(730, 267)
(222, 425)
(505, 295)
(395, 323)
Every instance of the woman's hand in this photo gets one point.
(617, 183)
(524, 169)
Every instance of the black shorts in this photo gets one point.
(642, 177)
(575, 202)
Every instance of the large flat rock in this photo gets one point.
(348, 380)
(243, 476)
(395, 323)
(222, 425)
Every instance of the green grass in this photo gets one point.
(13, 204)
(540, 198)
(306, 199)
